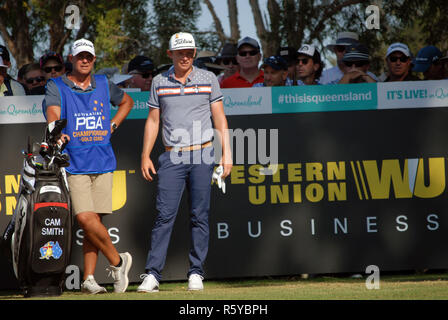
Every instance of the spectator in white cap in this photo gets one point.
(399, 63)
(248, 58)
(309, 65)
(85, 101)
(357, 62)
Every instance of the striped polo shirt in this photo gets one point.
(185, 109)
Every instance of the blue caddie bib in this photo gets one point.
(88, 125)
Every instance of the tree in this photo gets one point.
(121, 34)
(29, 24)
(233, 22)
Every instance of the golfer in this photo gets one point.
(184, 98)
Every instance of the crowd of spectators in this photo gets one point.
(241, 65)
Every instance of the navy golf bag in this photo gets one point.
(40, 231)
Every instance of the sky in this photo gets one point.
(245, 17)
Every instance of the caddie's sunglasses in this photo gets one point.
(402, 59)
(55, 68)
(37, 79)
(245, 53)
(356, 63)
(226, 62)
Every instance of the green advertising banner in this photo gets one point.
(140, 109)
(340, 97)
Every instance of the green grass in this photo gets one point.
(397, 287)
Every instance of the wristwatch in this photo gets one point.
(114, 125)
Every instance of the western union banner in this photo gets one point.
(316, 187)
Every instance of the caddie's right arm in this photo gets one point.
(52, 101)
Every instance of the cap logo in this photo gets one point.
(78, 44)
(182, 41)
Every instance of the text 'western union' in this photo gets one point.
(313, 181)
(327, 181)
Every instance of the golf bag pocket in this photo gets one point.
(51, 222)
(51, 225)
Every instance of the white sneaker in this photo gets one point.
(90, 286)
(149, 284)
(120, 274)
(195, 282)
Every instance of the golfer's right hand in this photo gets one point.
(147, 167)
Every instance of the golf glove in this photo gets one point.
(217, 178)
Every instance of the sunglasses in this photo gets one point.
(228, 61)
(37, 79)
(303, 61)
(402, 59)
(146, 75)
(143, 75)
(339, 48)
(55, 68)
(246, 53)
(356, 63)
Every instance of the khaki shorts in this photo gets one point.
(91, 192)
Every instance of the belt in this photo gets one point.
(189, 148)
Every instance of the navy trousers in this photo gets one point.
(187, 170)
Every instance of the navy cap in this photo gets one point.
(288, 53)
(276, 62)
(250, 41)
(50, 55)
(141, 63)
(356, 52)
(425, 57)
(228, 51)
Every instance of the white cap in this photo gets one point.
(397, 46)
(307, 49)
(2, 64)
(83, 45)
(182, 40)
